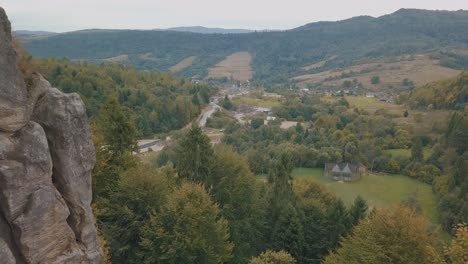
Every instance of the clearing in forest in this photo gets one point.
(236, 67)
(378, 190)
(116, 59)
(187, 62)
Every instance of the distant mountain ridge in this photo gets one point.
(278, 56)
(208, 30)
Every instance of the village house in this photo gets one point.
(344, 172)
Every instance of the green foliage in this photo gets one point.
(416, 150)
(141, 190)
(114, 139)
(273, 257)
(226, 103)
(280, 178)
(375, 80)
(234, 189)
(321, 224)
(288, 232)
(444, 94)
(221, 119)
(194, 156)
(116, 128)
(358, 210)
(188, 229)
(154, 102)
(257, 123)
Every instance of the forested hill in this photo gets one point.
(445, 94)
(277, 56)
(155, 102)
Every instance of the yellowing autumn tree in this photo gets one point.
(188, 229)
(397, 235)
(273, 257)
(457, 252)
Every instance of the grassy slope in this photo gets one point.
(428, 119)
(420, 69)
(248, 100)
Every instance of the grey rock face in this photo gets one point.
(63, 117)
(46, 159)
(13, 93)
(7, 246)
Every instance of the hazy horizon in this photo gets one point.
(241, 14)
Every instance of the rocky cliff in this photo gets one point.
(46, 159)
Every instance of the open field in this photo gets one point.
(187, 62)
(116, 59)
(373, 104)
(235, 66)
(378, 190)
(419, 122)
(318, 64)
(419, 68)
(266, 101)
(288, 124)
(147, 56)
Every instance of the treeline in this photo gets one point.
(156, 102)
(452, 157)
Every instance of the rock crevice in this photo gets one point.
(46, 159)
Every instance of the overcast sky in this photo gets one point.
(67, 15)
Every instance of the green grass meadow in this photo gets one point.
(378, 190)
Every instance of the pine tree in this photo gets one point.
(194, 157)
(358, 210)
(288, 232)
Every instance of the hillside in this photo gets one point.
(155, 102)
(450, 93)
(277, 56)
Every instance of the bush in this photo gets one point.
(375, 80)
(256, 123)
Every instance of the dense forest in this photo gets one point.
(204, 205)
(156, 102)
(278, 55)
